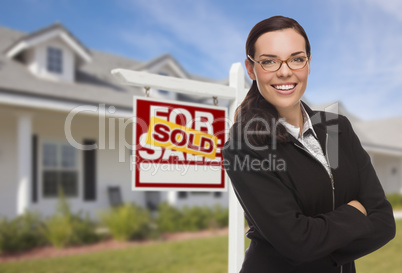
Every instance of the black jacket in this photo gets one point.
(298, 215)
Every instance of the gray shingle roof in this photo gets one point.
(47, 29)
(384, 132)
(93, 84)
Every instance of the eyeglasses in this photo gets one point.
(274, 64)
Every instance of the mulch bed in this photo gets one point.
(49, 251)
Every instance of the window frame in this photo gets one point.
(54, 60)
(58, 168)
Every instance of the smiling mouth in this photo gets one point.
(284, 87)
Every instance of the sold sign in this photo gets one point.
(180, 138)
(178, 146)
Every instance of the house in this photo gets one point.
(382, 141)
(66, 123)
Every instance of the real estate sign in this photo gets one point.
(178, 146)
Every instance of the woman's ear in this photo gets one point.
(309, 64)
(250, 69)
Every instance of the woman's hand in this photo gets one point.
(358, 205)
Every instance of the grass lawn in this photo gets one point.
(385, 260)
(191, 256)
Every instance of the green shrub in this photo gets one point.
(172, 219)
(396, 200)
(21, 233)
(127, 222)
(65, 228)
(195, 218)
(219, 217)
(168, 218)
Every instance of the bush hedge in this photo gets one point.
(172, 219)
(127, 222)
(65, 228)
(123, 223)
(21, 233)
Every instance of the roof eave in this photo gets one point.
(33, 40)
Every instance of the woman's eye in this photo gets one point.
(268, 62)
(298, 59)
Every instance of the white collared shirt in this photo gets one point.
(308, 138)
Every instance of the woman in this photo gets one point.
(309, 191)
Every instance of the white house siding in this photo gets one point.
(8, 162)
(49, 126)
(40, 61)
(389, 171)
(114, 162)
(203, 199)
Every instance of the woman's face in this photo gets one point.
(285, 87)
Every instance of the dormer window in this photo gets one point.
(52, 53)
(54, 60)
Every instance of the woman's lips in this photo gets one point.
(285, 88)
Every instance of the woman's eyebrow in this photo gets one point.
(275, 56)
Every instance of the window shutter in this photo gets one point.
(34, 169)
(89, 172)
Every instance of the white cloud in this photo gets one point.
(359, 59)
(214, 40)
(392, 7)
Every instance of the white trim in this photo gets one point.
(17, 48)
(22, 45)
(382, 150)
(78, 49)
(185, 86)
(79, 168)
(55, 105)
(400, 176)
(170, 63)
(24, 150)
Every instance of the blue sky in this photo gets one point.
(356, 44)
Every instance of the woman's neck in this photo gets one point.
(293, 115)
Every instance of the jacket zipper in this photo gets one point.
(331, 177)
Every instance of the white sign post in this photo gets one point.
(235, 93)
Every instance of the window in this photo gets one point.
(54, 60)
(60, 169)
(217, 194)
(182, 194)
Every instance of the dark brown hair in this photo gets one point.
(255, 109)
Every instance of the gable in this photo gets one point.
(54, 32)
(164, 65)
(52, 53)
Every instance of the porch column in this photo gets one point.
(172, 198)
(24, 136)
(400, 175)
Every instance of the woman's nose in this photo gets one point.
(284, 71)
